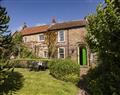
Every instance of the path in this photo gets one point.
(83, 72)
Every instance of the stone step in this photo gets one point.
(83, 71)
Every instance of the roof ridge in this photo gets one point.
(70, 21)
(37, 26)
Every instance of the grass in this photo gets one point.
(42, 83)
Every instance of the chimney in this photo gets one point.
(24, 26)
(53, 19)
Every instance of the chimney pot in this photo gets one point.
(53, 19)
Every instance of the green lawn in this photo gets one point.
(41, 83)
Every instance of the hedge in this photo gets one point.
(23, 63)
(65, 70)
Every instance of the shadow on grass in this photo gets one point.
(11, 84)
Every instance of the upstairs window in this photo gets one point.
(61, 52)
(41, 37)
(25, 39)
(61, 36)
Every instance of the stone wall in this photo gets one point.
(76, 36)
(73, 38)
(34, 44)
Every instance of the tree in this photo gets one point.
(104, 37)
(5, 36)
(17, 43)
(19, 50)
(116, 3)
(50, 41)
(5, 45)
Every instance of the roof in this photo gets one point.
(34, 30)
(67, 25)
(55, 26)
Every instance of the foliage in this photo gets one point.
(26, 53)
(5, 38)
(42, 83)
(104, 37)
(3, 70)
(12, 83)
(5, 46)
(32, 59)
(50, 41)
(65, 70)
(23, 62)
(20, 63)
(103, 80)
(17, 40)
(19, 49)
(116, 4)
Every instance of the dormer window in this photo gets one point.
(41, 37)
(61, 36)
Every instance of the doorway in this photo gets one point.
(82, 55)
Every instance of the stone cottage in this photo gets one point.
(64, 39)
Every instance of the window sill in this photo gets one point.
(41, 40)
(61, 41)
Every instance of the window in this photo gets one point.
(45, 54)
(41, 37)
(25, 39)
(61, 52)
(61, 36)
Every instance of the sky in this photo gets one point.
(39, 12)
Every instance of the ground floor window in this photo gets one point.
(61, 52)
(45, 54)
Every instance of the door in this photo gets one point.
(82, 56)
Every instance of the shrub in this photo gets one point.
(104, 80)
(20, 63)
(65, 70)
(24, 63)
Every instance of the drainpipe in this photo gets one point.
(68, 43)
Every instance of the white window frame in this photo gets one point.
(59, 50)
(59, 35)
(44, 54)
(25, 39)
(39, 37)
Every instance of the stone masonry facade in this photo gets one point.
(73, 40)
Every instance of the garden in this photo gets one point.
(42, 83)
(62, 76)
(59, 78)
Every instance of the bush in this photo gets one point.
(26, 53)
(20, 63)
(65, 70)
(104, 80)
(24, 63)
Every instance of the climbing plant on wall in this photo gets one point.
(50, 40)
